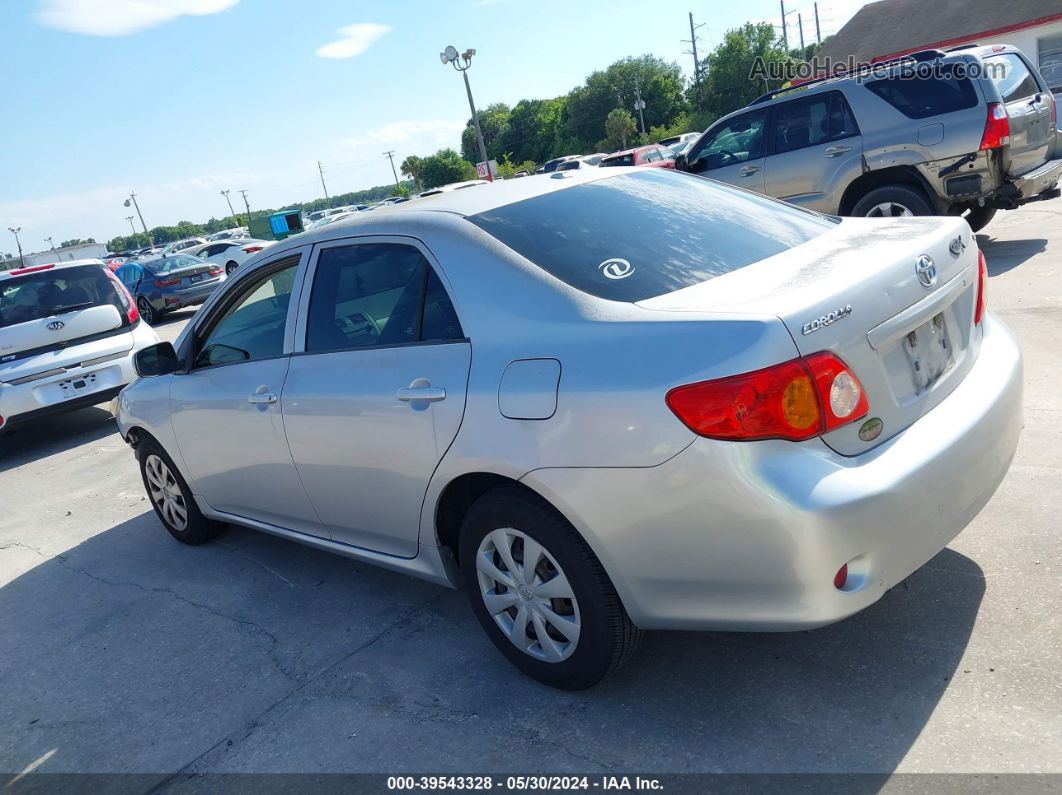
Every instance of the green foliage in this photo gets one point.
(402, 190)
(507, 168)
(619, 126)
(77, 241)
(444, 167)
(532, 130)
(411, 167)
(494, 122)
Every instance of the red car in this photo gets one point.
(653, 156)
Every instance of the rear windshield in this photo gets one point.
(53, 292)
(173, 263)
(638, 235)
(925, 90)
(1011, 76)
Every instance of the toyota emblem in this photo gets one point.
(616, 268)
(926, 270)
(55, 325)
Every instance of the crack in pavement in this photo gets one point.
(257, 563)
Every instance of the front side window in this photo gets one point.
(736, 141)
(812, 121)
(1011, 76)
(373, 294)
(642, 234)
(252, 327)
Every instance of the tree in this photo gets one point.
(411, 168)
(507, 168)
(444, 167)
(493, 121)
(532, 130)
(619, 124)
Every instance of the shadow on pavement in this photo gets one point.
(130, 652)
(1004, 255)
(52, 434)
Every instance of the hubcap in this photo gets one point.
(888, 210)
(166, 493)
(146, 311)
(528, 595)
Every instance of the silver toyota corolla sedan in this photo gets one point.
(601, 401)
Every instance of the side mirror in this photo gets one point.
(680, 163)
(160, 359)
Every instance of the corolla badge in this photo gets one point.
(926, 271)
(826, 320)
(55, 325)
(616, 268)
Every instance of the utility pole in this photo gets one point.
(818, 32)
(785, 34)
(132, 198)
(58, 256)
(390, 155)
(245, 204)
(323, 186)
(225, 193)
(692, 40)
(800, 24)
(639, 105)
(15, 230)
(129, 218)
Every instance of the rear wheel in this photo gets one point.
(540, 593)
(147, 311)
(892, 201)
(979, 217)
(171, 498)
(230, 266)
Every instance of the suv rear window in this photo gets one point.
(638, 235)
(919, 97)
(52, 292)
(1011, 76)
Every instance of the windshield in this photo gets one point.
(53, 292)
(643, 234)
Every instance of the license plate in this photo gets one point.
(77, 385)
(195, 277)
(929, 352)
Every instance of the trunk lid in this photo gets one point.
(856, 291)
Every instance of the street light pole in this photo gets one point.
(132, 198)
(225, 193)
(450, 56)
(58, 256)
(15, 230)
(129, 218)
(248, 206)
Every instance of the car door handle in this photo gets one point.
(833, 151)
(262, 395)
(427, 393)
(748, 171)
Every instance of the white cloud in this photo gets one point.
(402, 133)
(354, 40)
(121, 17)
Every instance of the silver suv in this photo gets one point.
(964, 132)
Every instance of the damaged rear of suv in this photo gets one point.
(966, 132)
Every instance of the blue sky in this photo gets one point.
(179, 99)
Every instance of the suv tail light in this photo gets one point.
(132, 314)
(252, 249)
(997, 128)
(982, 282)
(794, 400)
(164, 282)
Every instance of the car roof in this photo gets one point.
(51, 266)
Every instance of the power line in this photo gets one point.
(390, 155)
(692, 41)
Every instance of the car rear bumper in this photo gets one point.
(749, 536)
(1033, 186)
(63, 391)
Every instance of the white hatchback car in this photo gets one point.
(68, 334)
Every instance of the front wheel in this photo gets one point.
(892, 201)
(540, 593)
(171, 498)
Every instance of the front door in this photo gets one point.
(816, 151)
(375, 397)
(733, 152)
(226, 406)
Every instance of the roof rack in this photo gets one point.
(920, 56)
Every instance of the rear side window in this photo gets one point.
(946, 90)
(1011, 76)
(55, 291)
(643, 234)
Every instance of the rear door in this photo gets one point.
(376, 393)
(1030, 110)
(816, 151)
(733, 152)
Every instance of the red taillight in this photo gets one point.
(252, 249)
(997, 128)
(794, 400)
(167, 282)
(131, 313)
(215, 271)
(841, 577)
(982, 283)
(32, 269)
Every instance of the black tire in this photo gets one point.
(606, 638)
(902, 196)
(147, 311)
(979, 217)
(230, 266)
(197, 529)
